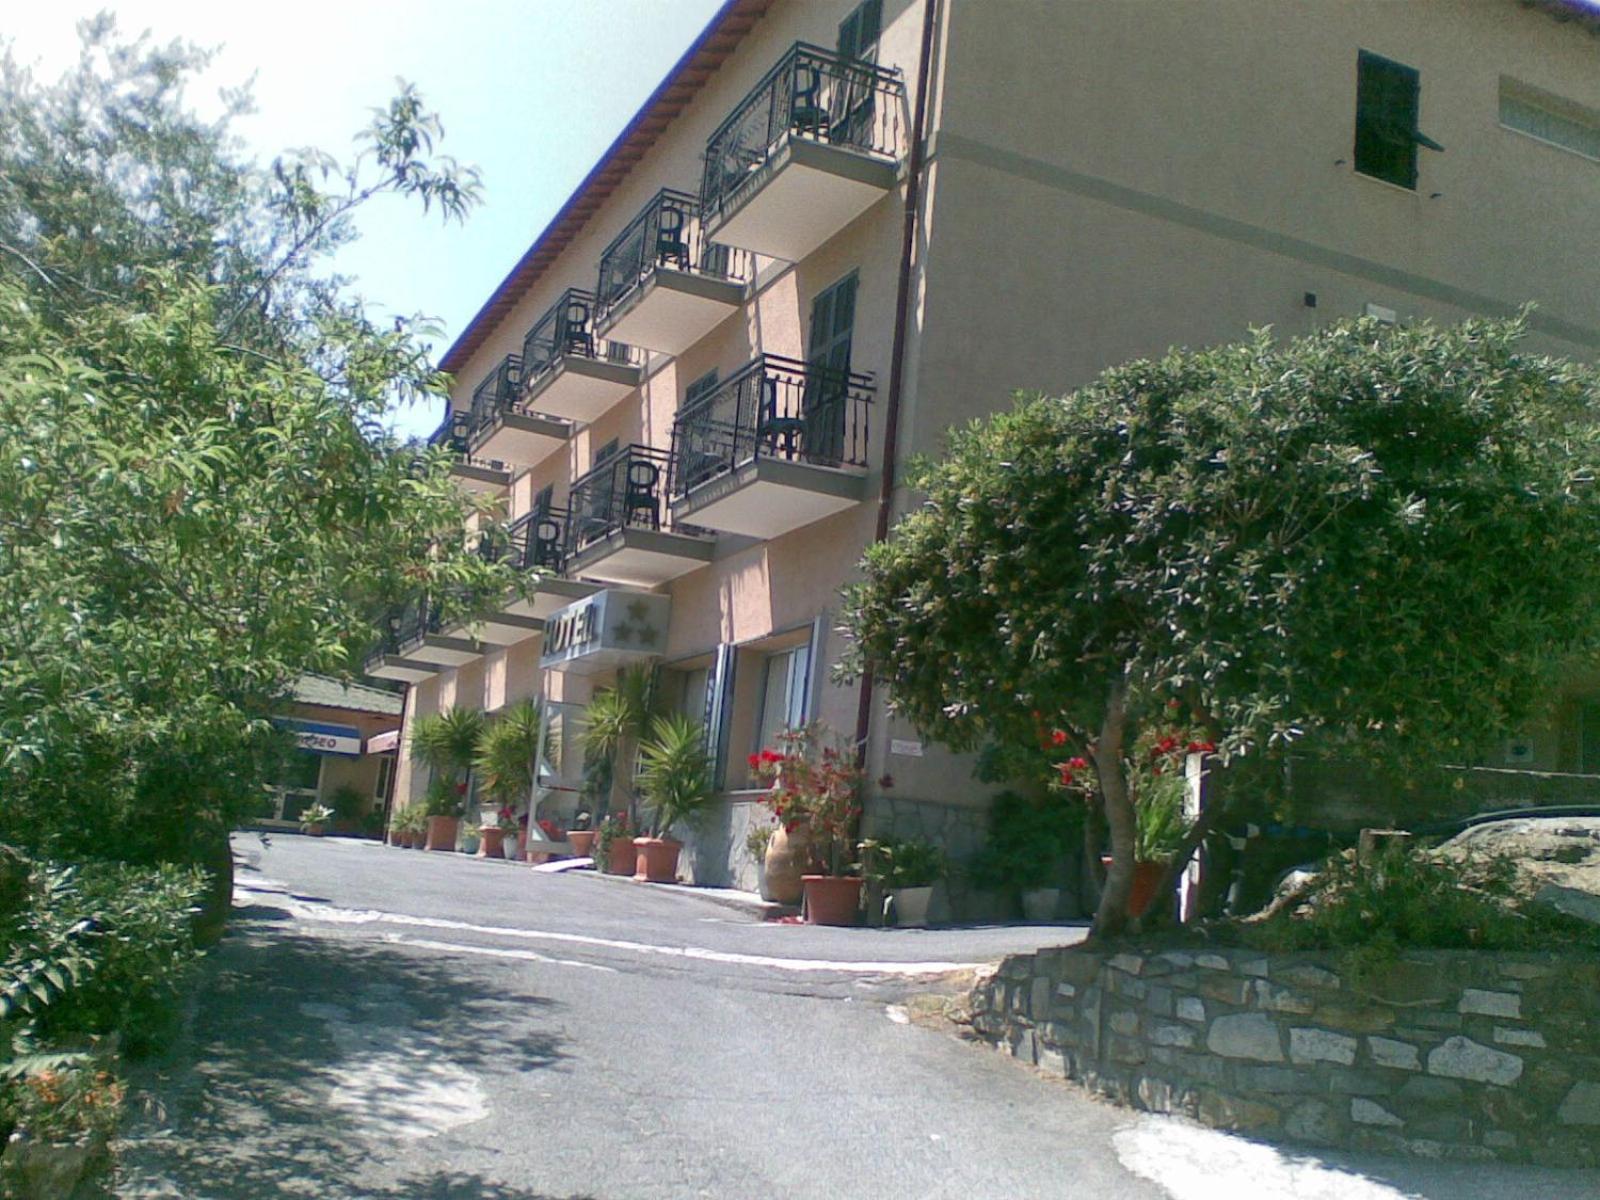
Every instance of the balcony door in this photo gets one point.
(833, 318)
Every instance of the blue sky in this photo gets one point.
(530, 92)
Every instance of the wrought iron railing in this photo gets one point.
(496, 393)
(567, 330)
(627, 490)
(812, 93)
(454, 436)
(666, 234)
(409, 624)
(538, 540)
(773, 408)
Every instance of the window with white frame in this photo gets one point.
(785, 692)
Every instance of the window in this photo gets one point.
(833, 318)
(609, 451)
(1388, 99)
(785, 686)
(543, 501)
(858, 33)
(294, 780)
(1550, 119)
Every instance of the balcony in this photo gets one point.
(779, 445)
(504, 429)
(812, 147)
(617, 529)
(502, 628)
(566, 372)
(538, 543)
(473, 474)
(662, 284)
(415, 646)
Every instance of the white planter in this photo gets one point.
(1040, 904)
(911, 905)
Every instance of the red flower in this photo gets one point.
(1058, 737)
(1066, 773)
(1078, 764)
(754, 760)
(461, 789)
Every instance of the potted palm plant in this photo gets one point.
(506, 762)
(446, 743)
(678, 783)
(615, 721)
(412, 823)
(314, 820)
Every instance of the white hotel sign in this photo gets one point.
(609, 629)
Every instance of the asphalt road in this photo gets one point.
(388, 1024)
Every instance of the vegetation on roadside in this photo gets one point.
(1370, 542)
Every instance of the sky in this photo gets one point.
(530, 92)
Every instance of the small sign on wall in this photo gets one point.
(905, 748)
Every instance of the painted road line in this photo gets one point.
(333, 915)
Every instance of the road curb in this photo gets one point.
(724, 897)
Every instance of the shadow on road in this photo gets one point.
(328, 1067)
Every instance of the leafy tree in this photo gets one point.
(198, 498)
(1365, 541)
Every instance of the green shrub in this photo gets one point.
(1027, 840)
(1403, 898)
(99, 948)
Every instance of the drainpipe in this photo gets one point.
(891, 419)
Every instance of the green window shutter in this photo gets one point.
(1388, 105)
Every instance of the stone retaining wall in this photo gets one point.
(1454, 1054)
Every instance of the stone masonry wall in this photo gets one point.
(1442, 1054)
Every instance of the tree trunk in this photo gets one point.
(1112, 915)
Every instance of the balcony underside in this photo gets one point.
(501, 629)
(800, 197)
(767, 498)
(641, 557)
(550, 595)
(672, 310)
(443, 650)
(522, 439)
(582, 389)
(395, 666)
(480, 477)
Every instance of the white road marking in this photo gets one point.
(334, 915)
(1194, 1163)
(399, 939)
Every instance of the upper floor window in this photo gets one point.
(703, 386)
(858, 33)
(1551, 119)
(1388, 104)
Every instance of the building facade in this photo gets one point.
(346, 738)
(838, 229)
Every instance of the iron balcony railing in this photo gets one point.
(812, 93)
(495, 394)
(666, 233)
(567, 330)
(627, 490)
(538, 540)
(409, 624)
(454, 436)
(774, 408)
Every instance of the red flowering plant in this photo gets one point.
(814, 782)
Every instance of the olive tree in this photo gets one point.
(1367, 540)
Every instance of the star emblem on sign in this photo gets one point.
(624, 632)
(647, 636)
(637, 611)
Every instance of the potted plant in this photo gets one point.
(816, 785)
(613, 848)
(678, 783)
(492, 834)
(348, 804)
(756, 844)
(581, 836)
(1028, 838)
(1159, 826)
(441, 807)
(314, 820)
(906, 872)
(446, 742)
(413, 824)
(506, 765)
(615, 721)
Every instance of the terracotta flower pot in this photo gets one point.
(1145, 877)
(656, 860)
(396, 837)
(832, 899)
(583, 841)
(442, 833)
(623, 858)
(787, 855)
(316, 829)
(492, 843)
